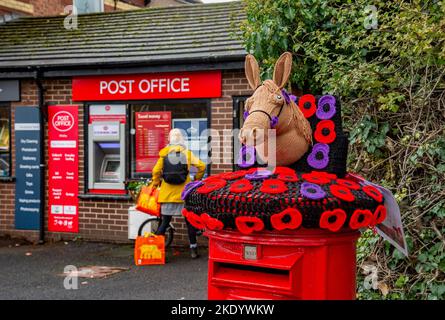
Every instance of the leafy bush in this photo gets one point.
(386, 63)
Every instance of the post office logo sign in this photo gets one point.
(63, 121)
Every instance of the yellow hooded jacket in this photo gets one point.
(172, 192)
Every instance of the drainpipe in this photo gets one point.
(41, 103)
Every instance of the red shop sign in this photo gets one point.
(63, 171)
(182, 85)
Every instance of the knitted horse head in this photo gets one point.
(271, 108)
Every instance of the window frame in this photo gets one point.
(132, 154)
(8, 105)
(236, 106)
(130, 145)
(101, 4)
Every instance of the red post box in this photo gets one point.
(307, 264)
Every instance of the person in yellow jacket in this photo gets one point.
(170, 194)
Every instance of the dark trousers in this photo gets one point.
(165, 221)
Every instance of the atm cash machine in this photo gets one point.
(106, 155)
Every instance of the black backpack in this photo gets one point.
(175, 168)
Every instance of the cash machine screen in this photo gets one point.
(110, 169)
(112, 166)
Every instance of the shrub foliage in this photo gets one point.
(386, 63)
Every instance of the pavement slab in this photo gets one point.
(34, 272)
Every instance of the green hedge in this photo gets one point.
(387, 66)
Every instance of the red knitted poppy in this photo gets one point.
(247, 225)
(253, 170)
(325, 132)
(185, 212)
(273, 186)
(325, 174)
(233, 175)
(211, 185)
(373, 192)
(211, 223)
(361, 219)
(212, 177)
(333, 220)
(288, 177)
(379, 214)
(342, 192)
(316, 177)
(348, 184)
(242, 185)
(307, 105)
(289, 218)
(283, 170)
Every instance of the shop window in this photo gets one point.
(151, 123)
(88, 6)
(5, 141)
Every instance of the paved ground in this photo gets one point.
(37, 276)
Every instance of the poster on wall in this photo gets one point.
(63, 171)
(152, 129)
(27, 168)
(194, 130)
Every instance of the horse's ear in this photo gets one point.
(252, 71)
(282, 70)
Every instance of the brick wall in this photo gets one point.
(17, 6)
(233, 84)
(35, 7)
(50, 8)
(106, 220)
(56, 7)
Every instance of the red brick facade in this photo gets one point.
(55, 7)
(107, 219)
(39, 8)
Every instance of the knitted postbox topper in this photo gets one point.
(309, 188)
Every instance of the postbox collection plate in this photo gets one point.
(250, 252)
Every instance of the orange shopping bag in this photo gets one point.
(149, 249)
(148, 201)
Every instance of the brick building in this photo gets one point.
(190, 52)
(12, 9)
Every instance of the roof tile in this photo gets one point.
(202, 32)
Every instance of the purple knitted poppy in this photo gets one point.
(319, 156)
(245, 114)
(246, 156)
(312, 191)
(274, 122)
(326, 107)
(189, 187)
(259, 174)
